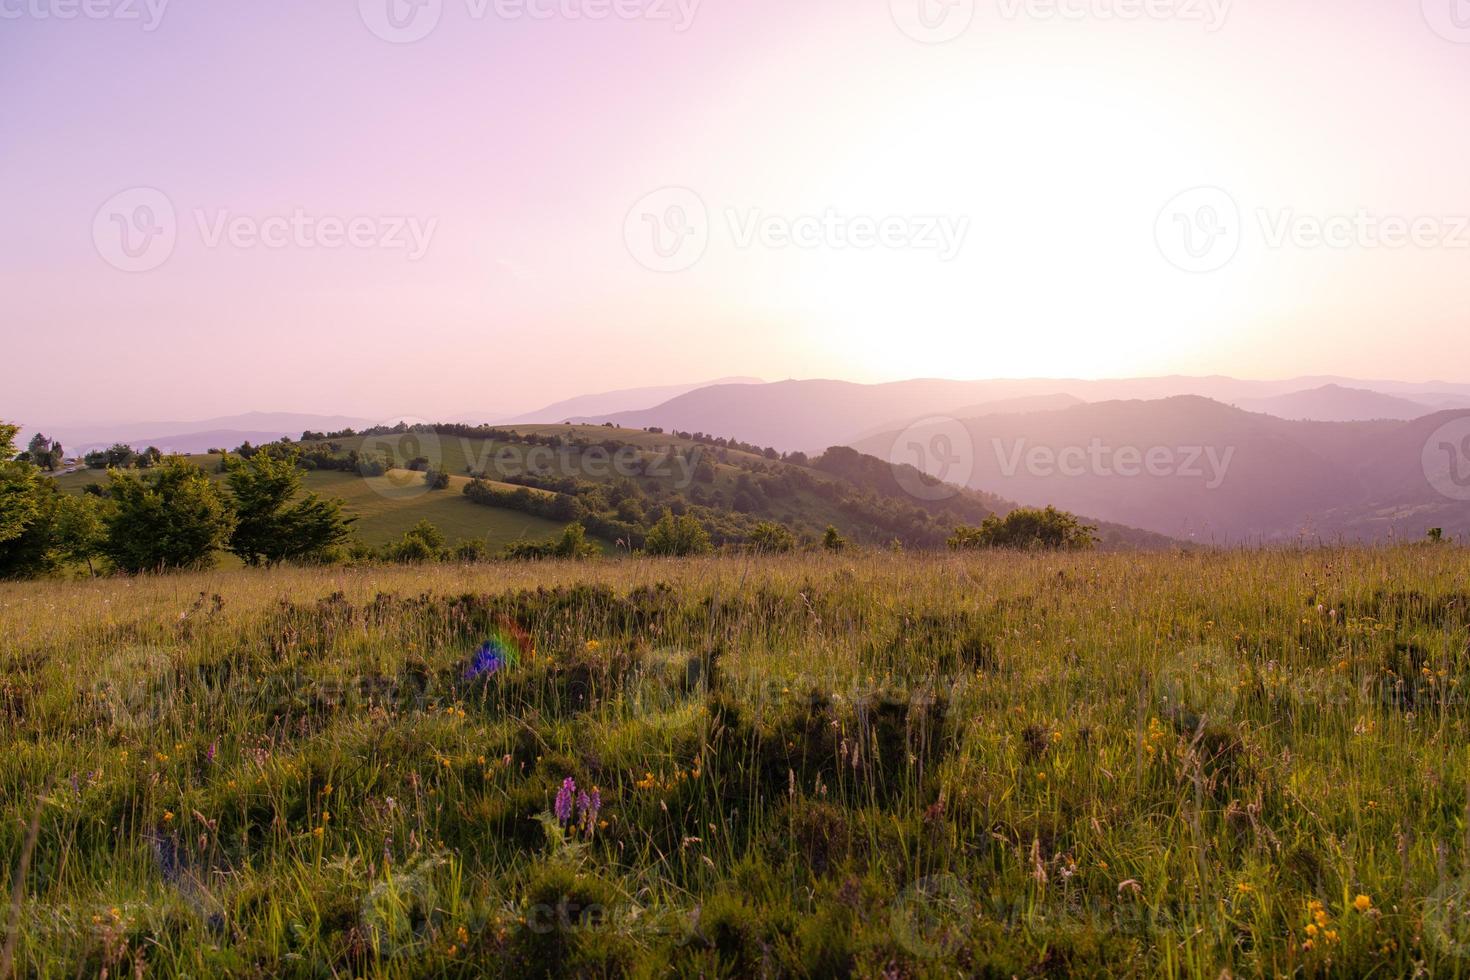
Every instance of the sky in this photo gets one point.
(431, 208)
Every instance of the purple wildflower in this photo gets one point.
(564, 799)
(487, 661)
(588, 807)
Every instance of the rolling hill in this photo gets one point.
(527, 483)
(1217, 474)
(1335, 403)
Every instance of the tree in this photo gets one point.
(1027, 529)
(174, 517)
(119, 457)
(833, 540)
(436, 479)
(45, 453)
(677, 537)
(270, 528)
(80, 530)
(28, 508)
(572, 544)
(18, 482)
(422, 542)
(768, 537)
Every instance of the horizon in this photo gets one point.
(385, 219)
(508, 415)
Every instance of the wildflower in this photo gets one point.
(1362, 903)
(168, 816)
(588, 807)
(564, 799)
(593, 646)
(494, 655)
(1244, 888)
(647, 782)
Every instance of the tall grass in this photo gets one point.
(809, 766)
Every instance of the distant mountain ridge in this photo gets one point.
(812, 415)
(1199, 469)
(200, 435)
(1336, 403)
(583, 407)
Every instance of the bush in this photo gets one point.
(677, 537)
(1027, 529)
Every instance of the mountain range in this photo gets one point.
(1200, 470)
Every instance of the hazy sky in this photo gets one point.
(351, 207)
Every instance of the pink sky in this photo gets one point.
(522, 144)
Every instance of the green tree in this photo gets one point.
(436, 479)
(833, 540)
(172, 517)
(33, 550)
(45, 453)
(677, 537)
(18, 488)
(420, 543)
(272, 526)
(768, 537)
(1027, 529)
(80, 529)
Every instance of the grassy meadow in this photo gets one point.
(862, 764)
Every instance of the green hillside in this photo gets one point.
(527, 483)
